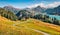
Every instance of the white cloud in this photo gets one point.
(34, 5)
(50, 5)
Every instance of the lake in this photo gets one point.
(56, 16)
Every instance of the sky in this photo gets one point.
(29, 3)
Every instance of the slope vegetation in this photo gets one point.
(7, 27)
(28, 27)
(7, 14)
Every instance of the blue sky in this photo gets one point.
(24, 3)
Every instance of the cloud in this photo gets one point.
(52, 5)
(49, 5)
(34, 5)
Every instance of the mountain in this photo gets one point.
(39, 9)
(12, 9)
(36, 10)
(30, 12)
(23, 14)
(55, 10)
(7, 14)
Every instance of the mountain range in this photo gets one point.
(30, 12)
(39, 9)
(55, 10)
(35, 10)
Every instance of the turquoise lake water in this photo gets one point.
(56, 16)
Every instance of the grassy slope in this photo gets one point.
(8, 27)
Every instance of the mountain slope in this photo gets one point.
(39, 9)
(23, 14)
(7, 14)
(55, 10)
(28, 27)
(36, 10)
(12, 9)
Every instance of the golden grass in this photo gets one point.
(42, 26)
(8, 27)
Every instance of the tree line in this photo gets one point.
(7, 14)
(46, 18)
(24, 14)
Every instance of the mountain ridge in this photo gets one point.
(12, 9)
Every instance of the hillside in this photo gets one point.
(28, 27)
(12, 9)
(7, 14)
(53, 11)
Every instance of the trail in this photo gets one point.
(32, 29)
(38, 31)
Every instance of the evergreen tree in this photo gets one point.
(7, 14)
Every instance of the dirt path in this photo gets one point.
(33, 30)
(38, 31)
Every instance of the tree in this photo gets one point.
(55, 21)
(8, 14)
(23, 14)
